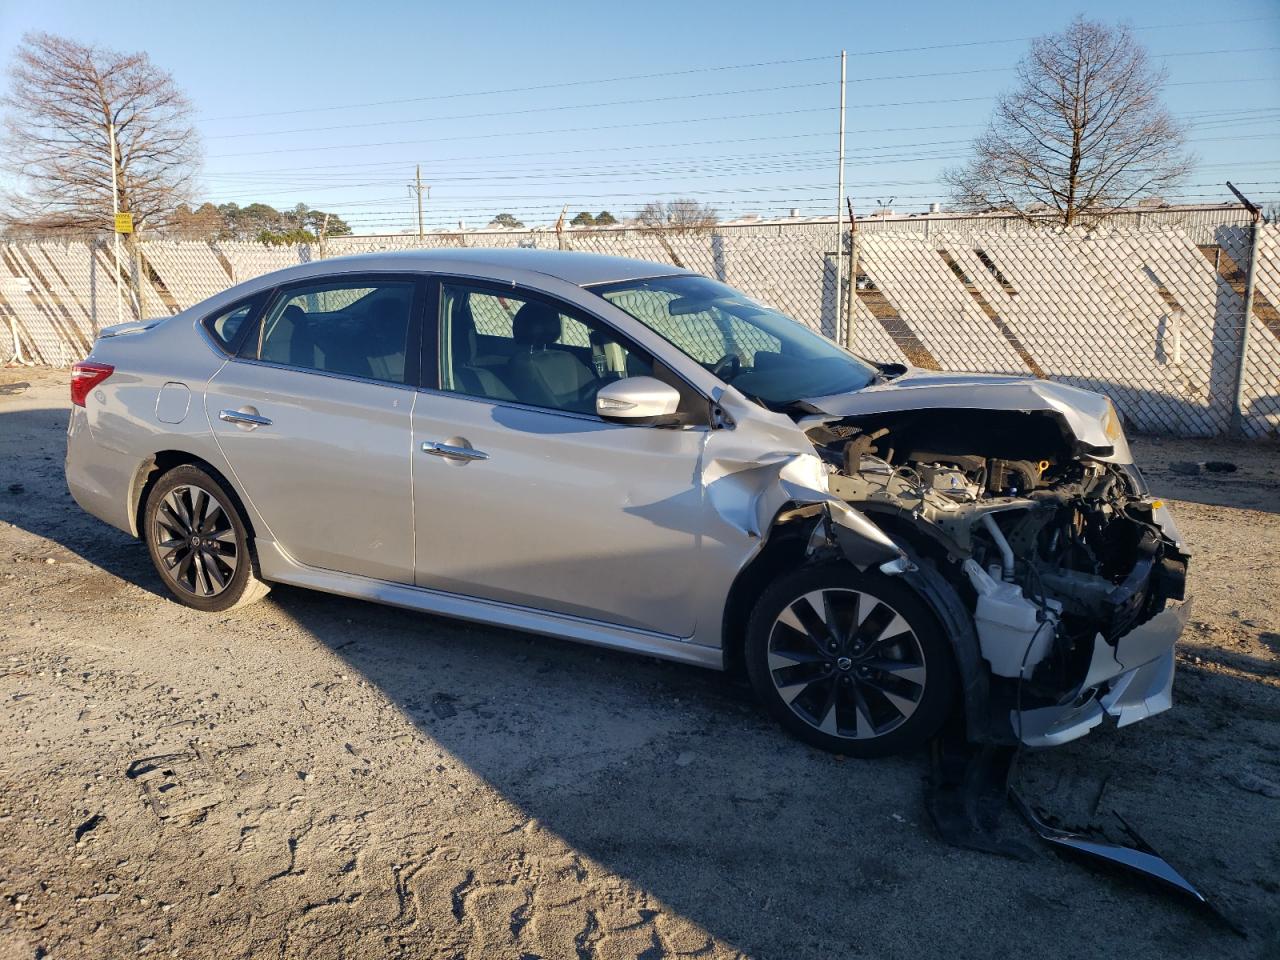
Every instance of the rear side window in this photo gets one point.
(227, 327)
(357, 328)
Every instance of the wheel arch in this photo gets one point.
(162, 462)
(787, 547)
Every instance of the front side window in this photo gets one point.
(765, 354)
(504, 346)
(355, 328)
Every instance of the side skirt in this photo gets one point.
(277, 566)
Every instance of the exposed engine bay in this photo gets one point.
(1056, 553)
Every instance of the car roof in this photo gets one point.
(581, 269)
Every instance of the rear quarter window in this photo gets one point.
(228, 327)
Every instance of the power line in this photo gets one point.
(525, 89)
(682, 171)
(731, 161)
(555, 108)
(1215, 113)
(613, 147)
(659, 164)
(527, 110)
(532, 133)
(693, 71)
(600, 127)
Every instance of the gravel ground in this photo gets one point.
(321, 777)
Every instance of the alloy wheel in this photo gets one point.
(846, 663)
(195, 541)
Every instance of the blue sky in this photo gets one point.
(520, 107)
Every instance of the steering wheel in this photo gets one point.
(727, 367)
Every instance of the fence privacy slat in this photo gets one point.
(1150, 314)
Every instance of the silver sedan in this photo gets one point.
(635, 456)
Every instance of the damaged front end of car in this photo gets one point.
(1059, 579)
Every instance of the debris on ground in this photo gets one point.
(1138, 859)
(88, 825)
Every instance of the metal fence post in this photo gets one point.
(852, 280)
(1237, 403)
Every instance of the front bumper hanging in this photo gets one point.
(1129, 681)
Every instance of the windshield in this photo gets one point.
(765, 354)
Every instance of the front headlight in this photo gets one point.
(1111, 425)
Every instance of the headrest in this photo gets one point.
(536, 325)
(462, 334)
(464, 319)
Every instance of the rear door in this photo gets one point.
(542, 503)
(314, 419)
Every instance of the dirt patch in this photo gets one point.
(320, 777)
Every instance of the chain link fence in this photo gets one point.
(1151, 314)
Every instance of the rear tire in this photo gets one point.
(199, 543)
(852, 663)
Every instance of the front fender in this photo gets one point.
(861, 541)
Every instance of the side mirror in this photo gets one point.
(639, 400)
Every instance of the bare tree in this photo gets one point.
(63, 100)
(1083, 132)
(677, 215)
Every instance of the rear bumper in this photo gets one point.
(1129, 681)
(98, 477)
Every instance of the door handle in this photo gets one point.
(248, 419)
(451, 452)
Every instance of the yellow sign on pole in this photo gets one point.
(124, 223)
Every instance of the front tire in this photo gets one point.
(852, 663)
(198, 541)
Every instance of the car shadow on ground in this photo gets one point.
(671, 778)
(34, 497)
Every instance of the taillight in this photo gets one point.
(86, 375)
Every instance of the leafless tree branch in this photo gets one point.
(63, 98)
(1083, 132)
(678, 216)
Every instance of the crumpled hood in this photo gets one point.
(1084, 412)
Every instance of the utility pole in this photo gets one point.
(416, 187)
(115, 211)
(840, 208)
(324, 229)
